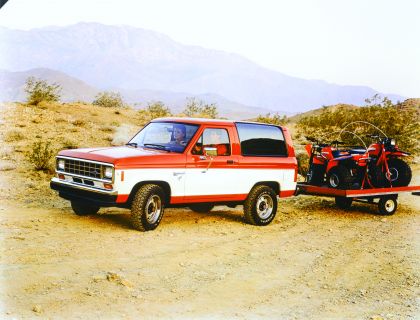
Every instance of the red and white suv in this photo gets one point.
(175, 162)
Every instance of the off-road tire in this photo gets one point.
(83, 209)
(344, 180)
(139, 207)
(403, 171)
(316, 174)
(343, 202)
(250, 205)
(201, 207)
(387, 206)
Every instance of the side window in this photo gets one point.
(216, 138)
(261, 140)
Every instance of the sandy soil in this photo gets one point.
(313, 262)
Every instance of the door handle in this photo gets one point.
(230, 162)
(178, 173)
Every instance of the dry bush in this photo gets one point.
(152, 111)
(41, 155)
(14, 136)
(39, 90)
(107, 129)
(199, 109)
(109, 99)
(303, 163)
(275, 119)
(79, 122)
(69, 144)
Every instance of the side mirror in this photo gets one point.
(210, 151)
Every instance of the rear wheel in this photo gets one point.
(83, 209)
(343, 202)
(339, 177)
(260, 207)
(147, 207)
(387, 206)
(400, 172)
(201, 207)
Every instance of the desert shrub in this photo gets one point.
(398, 121)
(200, 109)
(107, 129)
(14, 136)
(273, 119)
(41, 155)
(154, 110)
(69, 144)
(108, 99)
(79, 122)
(39, 90)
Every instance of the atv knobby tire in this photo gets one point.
(400, 172)
(147, 207)
(260, 207)
(316, 174)
(339, 177)
(83, 209)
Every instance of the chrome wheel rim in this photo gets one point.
(264, 206)
(389, 205)
(153, 209)
(334, 180)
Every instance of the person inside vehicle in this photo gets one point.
(179, 134)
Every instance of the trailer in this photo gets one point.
(384, 198)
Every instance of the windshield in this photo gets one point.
(168, 136)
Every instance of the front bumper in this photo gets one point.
(71, 191)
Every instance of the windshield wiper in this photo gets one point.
(133, 144)
(156, 146)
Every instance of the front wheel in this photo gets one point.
(400, 172)
(260, 207)
(147, 207)
(83, 209)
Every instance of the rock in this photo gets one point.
(37, 309)
(113, 277)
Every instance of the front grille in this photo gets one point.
(84, 168)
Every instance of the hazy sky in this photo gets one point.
(361, 42)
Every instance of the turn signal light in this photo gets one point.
(61, 177)
(108, 186)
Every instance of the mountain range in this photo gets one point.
(145, 65)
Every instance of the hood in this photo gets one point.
(125, 156)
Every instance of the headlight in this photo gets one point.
(61, 164)
(392, 142)
(108, 172)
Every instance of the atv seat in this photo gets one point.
(357, 151)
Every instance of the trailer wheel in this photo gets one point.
(343, 202)
(387, 206)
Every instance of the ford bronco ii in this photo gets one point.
(175, 162)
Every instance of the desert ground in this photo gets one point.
(314, 261)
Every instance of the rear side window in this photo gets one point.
(261, 140)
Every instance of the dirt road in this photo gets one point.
(313, 262)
